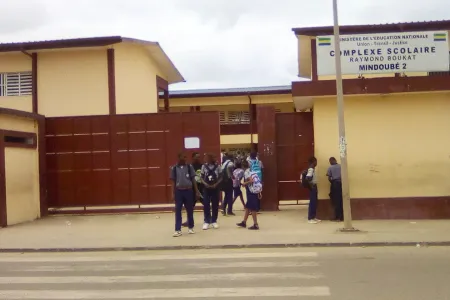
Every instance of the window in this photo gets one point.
(19, 140)
(15, 84)
(234, 117)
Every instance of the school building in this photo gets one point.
(89, 126)
(396, 125)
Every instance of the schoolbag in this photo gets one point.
(210, 176)
(225, 178)
(174, 172)
(255, 166)
(303, 180)
(256, 186)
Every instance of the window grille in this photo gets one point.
(15, 84)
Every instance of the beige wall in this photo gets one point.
(18, 124)
(304, 56)
(207, 101)
(233, 103)
(22, 185)
(72, 83)
(11, 63)
(22, 174)
(236, 139)
(398, 146)
(136, 72)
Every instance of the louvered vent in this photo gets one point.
(234, 117)
(15, 84)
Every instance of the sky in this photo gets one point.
(213, 43)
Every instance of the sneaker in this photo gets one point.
(231, 214)
(242, 224)
(205, 226)
(312, 221)
(318, 221)
(254, 227)
(177, 234)
(224, 213)
(215, 226)
(191, 231)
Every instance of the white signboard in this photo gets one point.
(191, 143)
(385, 53)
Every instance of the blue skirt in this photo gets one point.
(237, 192)
(252, 201)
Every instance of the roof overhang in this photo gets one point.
(161, 58)
(232, 92)
(376, 28)
(154, 48)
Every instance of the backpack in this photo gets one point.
(210, 176)
(303, 180)
(174, 172)
(256, 186)
(226, 180)
(255, 166)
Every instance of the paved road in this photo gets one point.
(331, 273)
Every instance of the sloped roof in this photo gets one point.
(266, 90)
(375, 28)
(155, 49)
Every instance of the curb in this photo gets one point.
(252, 246)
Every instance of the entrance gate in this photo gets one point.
(295, 145)
(120, 160)
(285, 143)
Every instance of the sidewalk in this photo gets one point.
(154, 231)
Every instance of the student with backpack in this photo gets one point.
(253, 186)
(210, 177)
(227, 185)
(238, 174)
(184, 191)
(309, 180)
(197, 165)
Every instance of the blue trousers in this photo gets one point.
(312, 208)
(186, 198)
(210, 205)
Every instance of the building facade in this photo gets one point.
(52, 81)
(90, 123)
(396, 127)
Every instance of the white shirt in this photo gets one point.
(312, 173)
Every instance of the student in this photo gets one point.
(312, 179)
(238, 174)
(210, 176)
(334, 176)
(227, 185)
(184, 186)
(197, 165)
(253, 187)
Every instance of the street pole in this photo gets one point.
(342, 140)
